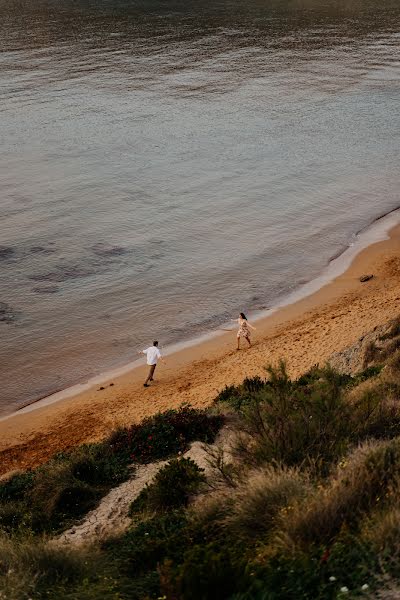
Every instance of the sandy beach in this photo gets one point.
(304, 333)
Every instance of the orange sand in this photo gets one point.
(304, 333)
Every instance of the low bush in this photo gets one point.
(315, 419)
(55, 494)
(29, 567)
(165, 434)
(381, 531)
(375, 414)
(208, 571)
(172, 487)
(51, 496)
(291, 423)
(367, 480)
(393, 331)
(368, 373)
(139, 553)
(238, 396)
(16, 487)
(259, 500)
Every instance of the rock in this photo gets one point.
(365, 278)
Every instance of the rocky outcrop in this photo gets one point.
(354, 359)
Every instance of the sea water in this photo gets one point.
(164, 165)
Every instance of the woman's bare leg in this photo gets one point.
(248, 340)
(238, 343)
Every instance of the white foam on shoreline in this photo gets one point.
(376, 232)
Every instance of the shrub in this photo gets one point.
(230, 394)
(365, 481)
(96, 465)
(390, 349)
(371, 353)
(374, 412)
(15, 487)
(15, 515)
(253, 384)
(393, 331)
(58, 496)
(256, 504)
(367, 373)
(319, 374)
(165, 434)
(238, 396)
(394, 363)
(207, 571)
(172, 487)
(138, 554)
(292, 423)
(380, 532)
(208, 514)
(69, 485)
(29, 567)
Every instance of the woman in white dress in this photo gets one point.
(244, 329)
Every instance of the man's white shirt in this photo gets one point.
(153, 354)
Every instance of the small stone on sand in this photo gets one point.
(365, 278)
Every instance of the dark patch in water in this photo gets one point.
(107, 250)
(48, 289)
(6, 252)
(63, 274)
(42, 250)
(201, 326)
(123, 341)
(7, 314)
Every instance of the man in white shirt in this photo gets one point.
(153, 354)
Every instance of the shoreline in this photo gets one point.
(377, 231)
(303, 332)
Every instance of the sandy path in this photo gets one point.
(111, 516)
(304, 334)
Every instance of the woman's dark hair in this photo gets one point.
(155, 343)
(243, 316)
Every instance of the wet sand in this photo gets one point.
(304, 333)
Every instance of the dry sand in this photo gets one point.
(304, 333)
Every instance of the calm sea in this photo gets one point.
(164, 165)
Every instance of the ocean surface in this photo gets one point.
(164, 165)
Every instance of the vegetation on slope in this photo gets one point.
(52, 496)
(304, 506)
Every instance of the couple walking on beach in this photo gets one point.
(153, 353)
